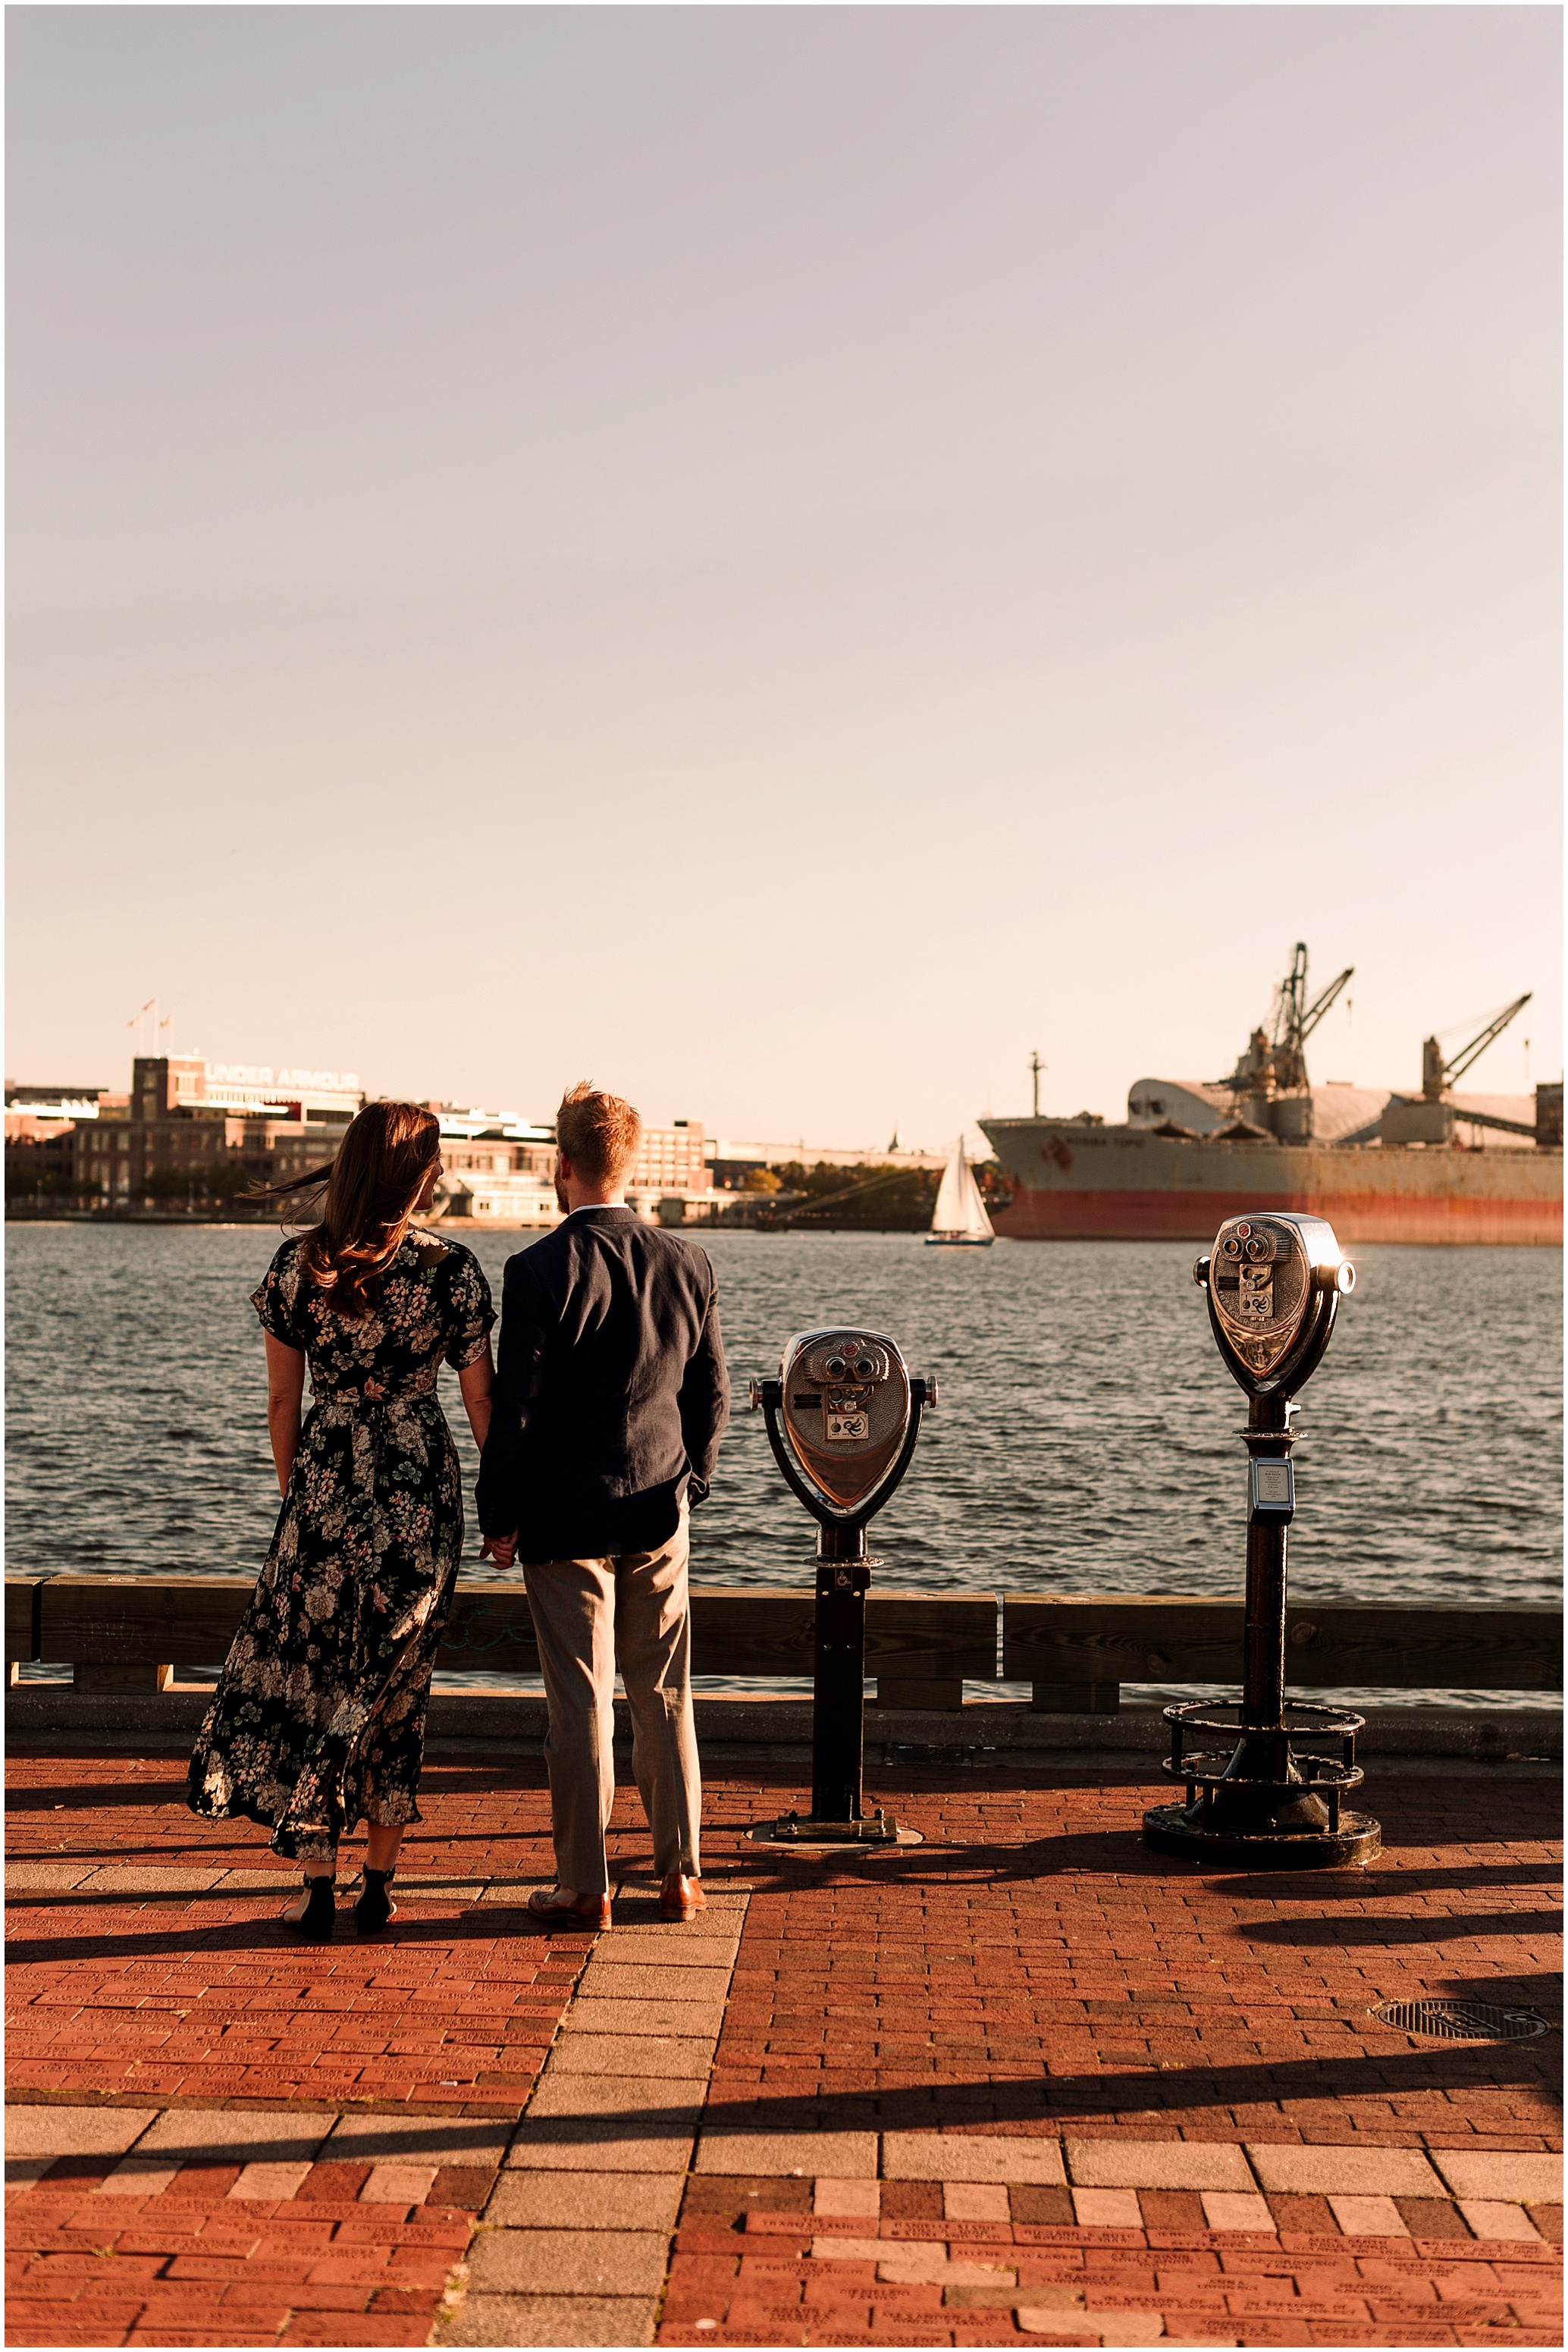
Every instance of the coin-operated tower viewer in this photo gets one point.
(1260, 1801)
(842, 1419)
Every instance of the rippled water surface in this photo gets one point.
(1085, 1440)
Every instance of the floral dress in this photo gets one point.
(318, 1715)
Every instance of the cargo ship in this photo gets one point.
(1436, 1166)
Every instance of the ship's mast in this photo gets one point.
(1036, 1066)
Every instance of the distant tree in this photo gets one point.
(26, 1181)
(230, 1179)
(217, 1179)
(166, 1183)
(872, 1197)
(996, 1188)
(761, 1180)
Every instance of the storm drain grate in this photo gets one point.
(923, 1751)
(1462, 2021)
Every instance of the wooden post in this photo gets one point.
(1075, 1698)
(942, 1691)
(146, 1679)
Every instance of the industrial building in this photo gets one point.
(189, 1128)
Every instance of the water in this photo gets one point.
(1085, 1441)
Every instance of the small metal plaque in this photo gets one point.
(1255, 1300)
(847, 1428)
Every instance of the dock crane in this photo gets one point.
(1295, 1019)
(1272, 1091)
(1437, 1075)
(1431, 1116)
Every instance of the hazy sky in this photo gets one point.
(780, 558)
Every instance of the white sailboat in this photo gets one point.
(960, 1221)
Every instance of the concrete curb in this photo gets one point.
(1532, 1733)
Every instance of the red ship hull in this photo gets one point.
(1127, 1216)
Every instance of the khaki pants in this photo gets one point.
(590, 1615)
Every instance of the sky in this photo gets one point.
(781, 560)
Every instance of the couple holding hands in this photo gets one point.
(597, 1433)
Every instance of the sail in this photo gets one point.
(959, 1207)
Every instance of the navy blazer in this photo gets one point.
(610, 1390)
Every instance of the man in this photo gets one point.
(610, 1397)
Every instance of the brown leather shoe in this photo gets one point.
(559, 1903)
(681, 1897)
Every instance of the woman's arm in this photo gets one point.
(285, 1388)
(476, 1384)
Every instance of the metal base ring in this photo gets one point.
(1174, 1829)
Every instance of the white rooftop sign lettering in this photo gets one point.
(262, 1074)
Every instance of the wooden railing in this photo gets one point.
(1076, 1650)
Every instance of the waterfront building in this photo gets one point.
(499, 1167)
(501, 1170)
(189, 1127)
(40, 1135)
(672, 1159)
(116, 1161)
(195, 1125)
(169, 1086)
(186, 1126)
(730, 1162)
(494, 1143)
(38, 1124)
(33, 1112)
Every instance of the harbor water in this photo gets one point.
(1085, 1443)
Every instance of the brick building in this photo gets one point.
(219, 1126)
(40, 1136)
(120, 1161)
(671, 1161)
(500, 1169)
(187, 1128)
(190, 1129)
(499, 1143)
(489, 1143)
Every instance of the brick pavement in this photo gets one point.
(210, 2259)
(1064, 1976)
(1026, 2080)
(171, 1994)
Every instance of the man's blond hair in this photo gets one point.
(599, 1133)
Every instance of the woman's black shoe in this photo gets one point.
(375, 1906)
(316, 1922)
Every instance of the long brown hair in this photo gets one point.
(366, 1199)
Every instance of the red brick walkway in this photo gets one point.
(1024, 2080)
(196, 2265)
(184, 1994)
(916, 2276)
(1061, 1976)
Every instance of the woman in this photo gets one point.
(318, 1716)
